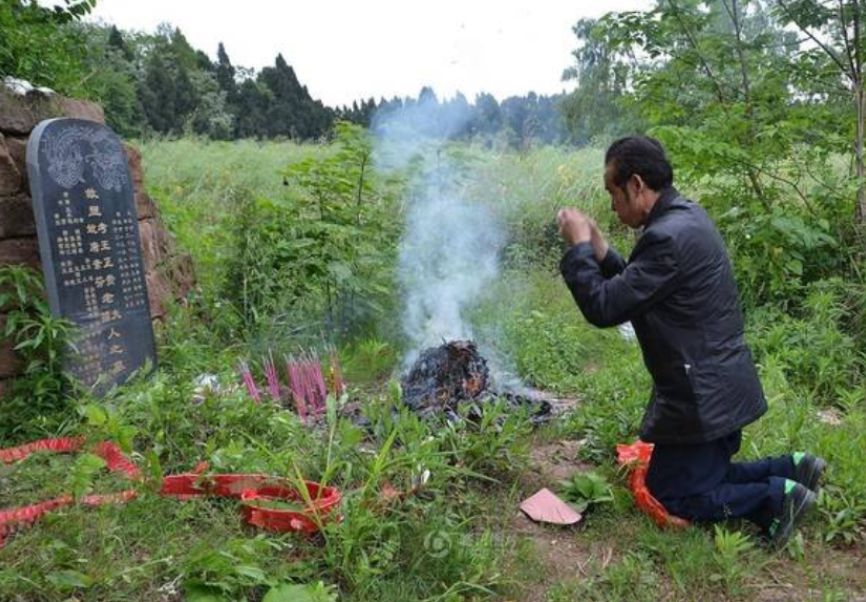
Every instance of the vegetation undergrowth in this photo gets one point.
(455, 538)
(760, 106)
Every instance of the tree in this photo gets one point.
(156, 93)
(488, 117)
(116, 41)
(292, 111)
(225, 74)
(427, 96)
(717, 71)
(37, 44)
(172, 82)
(185, 56)
(514, 119)
(603, 71)
(211, 116)
(836, 32)
(112, 79)
(252, 105)
(714, 80)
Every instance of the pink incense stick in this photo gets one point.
(249, 382)
(319, 382)
(272, 377)
(296, 386)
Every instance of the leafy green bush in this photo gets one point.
(39, 397)
(326, 251)
(817, 355)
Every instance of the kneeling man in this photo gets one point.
(678, 291)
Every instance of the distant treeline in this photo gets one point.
(157, 83)
(179, 90)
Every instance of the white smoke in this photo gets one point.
(449, 252)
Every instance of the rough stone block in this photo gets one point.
(20, 251)
(155, 243)
(16, 217)
(133, 156)
(145, 208)
(19, 113)
(181, 274)
(10, 177)
(17, 148)
(158, 293)
(79, 109)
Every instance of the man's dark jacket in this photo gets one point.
(678, 291)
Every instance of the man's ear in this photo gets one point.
(636, 183)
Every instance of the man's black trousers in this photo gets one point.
(700, 483)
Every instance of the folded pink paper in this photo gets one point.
(545, 507)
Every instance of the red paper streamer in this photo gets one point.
(637, 457)
(253, 490)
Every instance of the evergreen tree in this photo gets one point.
(167, 94)
(514, 119)
(458, 117)
(284, 110)
(116, 41)
(157, 97)
(602, 76)
(225, 74)
(291, 110)
(488, 117)
(252, 106)
(427, 96)
(184, 55)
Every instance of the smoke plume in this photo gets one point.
(449, 252)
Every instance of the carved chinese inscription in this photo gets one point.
(89, 245)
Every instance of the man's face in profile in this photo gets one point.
(622, 200)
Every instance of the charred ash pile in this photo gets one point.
(452, 375)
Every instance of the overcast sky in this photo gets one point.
(344, 50)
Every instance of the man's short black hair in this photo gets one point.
(643, 156)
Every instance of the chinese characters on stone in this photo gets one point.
(98, 262)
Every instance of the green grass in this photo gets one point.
(196, 185)
(456, 539)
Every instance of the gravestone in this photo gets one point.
(86, 221)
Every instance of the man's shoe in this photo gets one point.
(808, 470)
(798, 501)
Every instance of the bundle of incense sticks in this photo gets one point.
(307, 383)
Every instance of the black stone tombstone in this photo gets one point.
(88, 241)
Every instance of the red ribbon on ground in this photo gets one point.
(637, 458)
(254, 491)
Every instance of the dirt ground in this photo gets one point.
(560, 553)
(563, 555)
